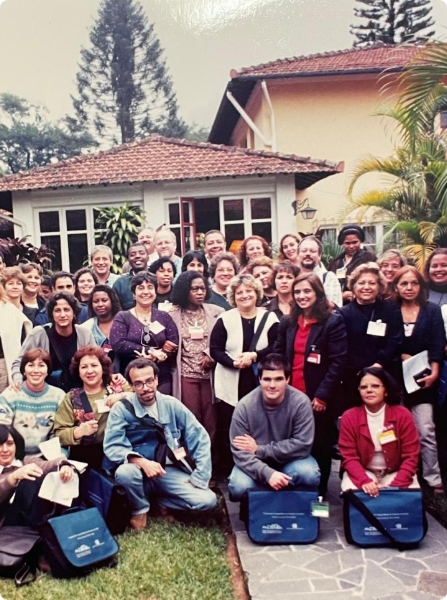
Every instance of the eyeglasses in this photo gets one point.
(196, 289)
(140, 385)
(146, 336)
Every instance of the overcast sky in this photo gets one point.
(40, 41)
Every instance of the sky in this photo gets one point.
(40, 42)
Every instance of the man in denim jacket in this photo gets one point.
(147, 440)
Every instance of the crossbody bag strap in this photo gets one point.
(371, 518)
(85, 402)
(258, 332)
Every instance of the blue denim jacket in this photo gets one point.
(181, 428)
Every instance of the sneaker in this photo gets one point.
(138, 522)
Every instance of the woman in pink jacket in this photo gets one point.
(378, 442)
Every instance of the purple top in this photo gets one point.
(126, 337)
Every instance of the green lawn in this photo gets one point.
(167, 561)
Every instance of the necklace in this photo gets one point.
(145, 319)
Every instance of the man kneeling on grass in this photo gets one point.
(148, 442)
(271, 433)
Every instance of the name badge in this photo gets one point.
(156, 327)
(165, 306)
(385, 437)
(101, 406)
(341, 273)
(179, 453)
(376, 328)
(320, 509)
(107, 348)
(196, 333)
(314, 358)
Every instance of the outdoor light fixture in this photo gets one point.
(307, 213)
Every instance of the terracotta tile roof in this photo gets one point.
(157, 158)
(376, 58)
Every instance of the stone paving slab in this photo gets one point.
(331, 569)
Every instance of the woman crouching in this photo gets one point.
(378, 442)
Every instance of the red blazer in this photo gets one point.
(357, 448)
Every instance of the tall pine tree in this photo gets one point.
(392, 22)
(124, 88)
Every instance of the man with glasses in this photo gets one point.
(148, 443)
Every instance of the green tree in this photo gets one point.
(28, 139)
(392, 22)
(409, 197)
(124, 88)
(120, 227)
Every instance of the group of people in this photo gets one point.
(184, 370)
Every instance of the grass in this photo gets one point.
(167, 561)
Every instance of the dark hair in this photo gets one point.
(114, 299)
(140, 278)
(216, 260)
(350, 230)
(157, 264)
(190, 256)
(9, 430)
(243, 248)
(102, 357)
(422, 297)
(46, 281)
(393, 390)
(182, 287)
(69, 298)
(274, 362)
(427, 263)
(134, 246)
(321, 309)
(79, 273)
(285, 267)
(140, 363)
(34, 354)
(59, 275)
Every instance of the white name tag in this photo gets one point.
(341, 273)
(165, 306)
(376, 328)
(101, 406)
(156, 327)
(196, 333)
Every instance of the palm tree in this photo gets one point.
(414, 197)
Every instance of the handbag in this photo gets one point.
(282, 517)
(19, 551)
(109, 497)
(76, 543)
(255, 340)
(396, 518)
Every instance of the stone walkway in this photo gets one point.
(331, 569)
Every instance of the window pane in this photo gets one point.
(260, 208)
(186, 216)
(234, 232)
(233, 210)
(189, 242)
(174, 214)
(77, 250)
(53, 242)
(49, 221)
(262, 229)
(76, 220)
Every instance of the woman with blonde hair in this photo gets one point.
(14, 327)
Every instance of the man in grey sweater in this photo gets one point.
(271, 433)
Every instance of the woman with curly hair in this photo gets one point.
(194, 260)
(81, 418)
(103, 305)
(288, 249)
(84, 280)
(251, 248)
(223, 267)
(191, 378)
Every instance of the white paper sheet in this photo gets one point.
(54, 490)
(411, 367)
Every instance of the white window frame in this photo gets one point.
(247, 221)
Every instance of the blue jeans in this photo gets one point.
(173, 490)
(303, 471)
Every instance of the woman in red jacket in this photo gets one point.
(378, 442)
